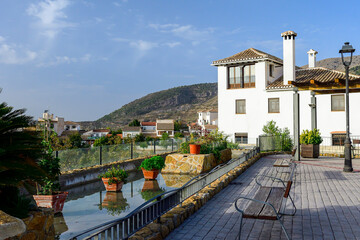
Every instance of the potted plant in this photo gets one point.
(152, 166)
(114, 179)
(48, 192)
(310, 141)
(194, 145)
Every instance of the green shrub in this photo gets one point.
(310, 137)
(155, 162)
(115, 175)
(282, 137)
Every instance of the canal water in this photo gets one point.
(90, 205)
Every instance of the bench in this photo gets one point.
(285, 162)
(269, 202)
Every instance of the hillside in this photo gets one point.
(336, 64)
(175, 103)
(183, 102)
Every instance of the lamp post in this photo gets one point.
(348, 50)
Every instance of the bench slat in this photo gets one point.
(254, 208)
(281, 163)
(275, 198)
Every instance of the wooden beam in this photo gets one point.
(312, 81)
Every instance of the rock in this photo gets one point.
(10, 226)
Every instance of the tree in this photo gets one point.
(178, 135)
(20, 151)
(282, 138)
(139, 137)
(75, 140)
(134, 123)
(101, 141)
(177, 126)
(165, 136)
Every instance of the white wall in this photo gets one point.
(257, 109)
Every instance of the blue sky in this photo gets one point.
(83, 59)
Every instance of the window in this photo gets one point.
(271, 70)
(241, 76)
(240, 106)
(273, 105)
(241, 138)
(338, 102)
(338, 139)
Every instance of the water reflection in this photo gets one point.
(176, 180)
(60, 224)
(151, 189)
(114, 203)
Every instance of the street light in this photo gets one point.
(348, 50)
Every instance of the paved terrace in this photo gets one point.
(327, 201)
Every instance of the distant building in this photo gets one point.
(148, 129)
(165, 126)
(48, 121)
(207, 117)
(96, 133)
(71, 126)
(131, 131)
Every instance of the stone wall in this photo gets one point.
(176, 216)
(86, 175)
(193, 163)
(39, 225)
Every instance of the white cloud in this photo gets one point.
(172, 44)
(143, 45)
(9, 53)
(66, 60)
(51, 16)
(187, 32)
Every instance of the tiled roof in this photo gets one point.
(101, 130)
(318, 75)
(248, 54)
(70, 123)
(210, 126)
(165, 126)
(211, 110)
(148, 123)
(131, 129)
(289, 33)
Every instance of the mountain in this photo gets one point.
(176, 103)
(336, 64)
(183, 102)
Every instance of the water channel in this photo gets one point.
(90, 205)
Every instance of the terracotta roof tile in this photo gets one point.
(148, 123)
(165, 126)
(318, 75)
(248, 54)
(131, 129)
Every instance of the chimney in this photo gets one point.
(289, 56)
(312, 58)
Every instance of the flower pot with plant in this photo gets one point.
(114, 179)
(310, 141)
(48, 192)
(152, 166)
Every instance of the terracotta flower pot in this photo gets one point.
(114, 187)
(150, 174)
(194, 148)
(55, 201)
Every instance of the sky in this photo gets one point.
(83, 59)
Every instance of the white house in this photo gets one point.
(131, 131)
(255, 87)
(165, 126)
(48, 121)
(207, 117)
(71, 126)
(96, 133)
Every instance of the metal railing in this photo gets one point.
(335, 146)
(86, 157)
(151, 210)
(275, 143)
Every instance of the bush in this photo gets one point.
(310, 137)
(155, 162)
(283, 140)
(115, 175)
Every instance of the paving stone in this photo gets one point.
(327, 201)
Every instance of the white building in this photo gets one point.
(71, 126)
(131, 131)
(51, 123)
(207, 117)
(165, 126)
(96, 133)
(255, 87)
